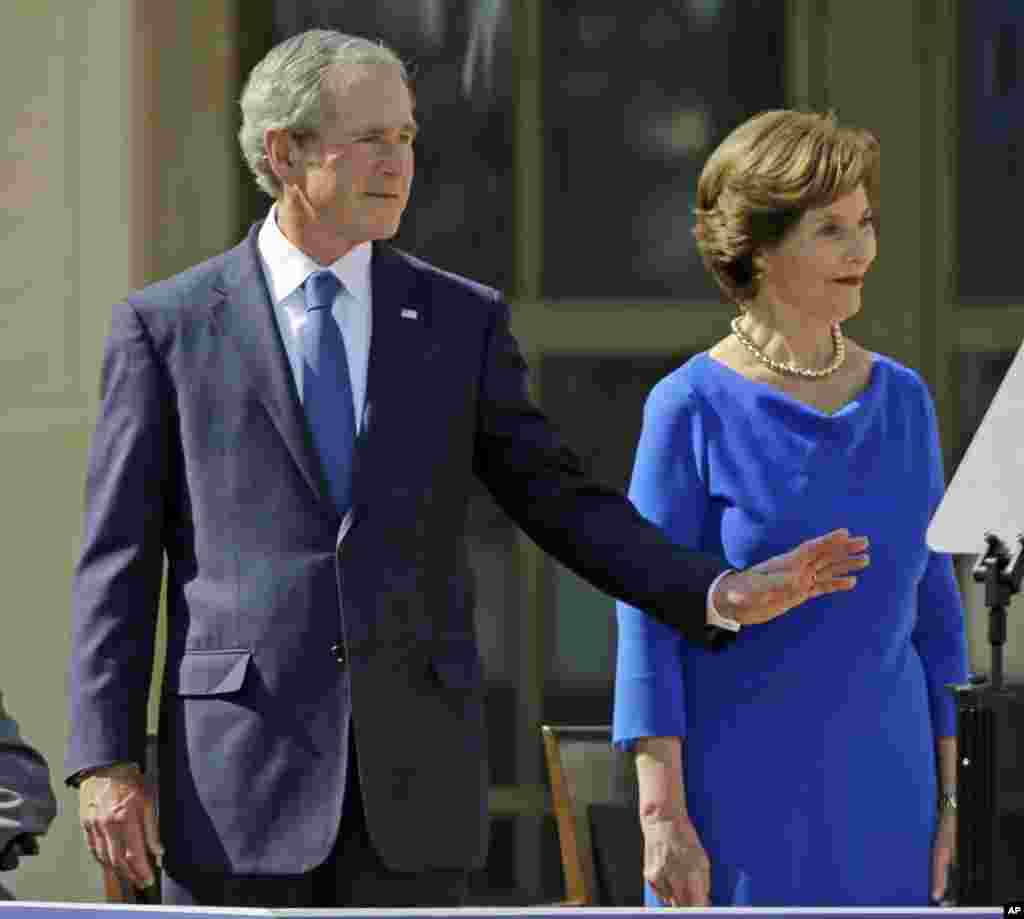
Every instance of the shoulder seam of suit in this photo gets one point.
(442, 274)
(207, 273)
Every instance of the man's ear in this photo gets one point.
(281, 154)
(759, 263)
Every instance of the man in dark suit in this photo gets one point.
(27, 804)
(294, 424)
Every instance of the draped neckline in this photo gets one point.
(849, 407)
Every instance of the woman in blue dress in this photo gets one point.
(812, 761)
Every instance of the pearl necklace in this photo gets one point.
(834, 364)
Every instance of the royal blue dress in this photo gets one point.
(809, 743)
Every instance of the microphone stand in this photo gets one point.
(989, 718)
(1001, 573)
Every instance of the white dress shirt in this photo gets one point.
(286, 268)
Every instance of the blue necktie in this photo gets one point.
(327, 388)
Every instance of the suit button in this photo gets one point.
(338, 650)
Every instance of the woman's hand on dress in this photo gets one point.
(943, 854)
(675, 863)
(815, 567)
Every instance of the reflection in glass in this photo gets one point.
(980, 374)
(459, 56)
(491, 537)
(636, 96)
(991, 150)
(598, 403)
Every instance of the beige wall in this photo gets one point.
(67, 255)
(110, 180)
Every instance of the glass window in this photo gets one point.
(493, 549)
(991, 150)
(598, 402)
(636, 96)
(980, 375)
(499, 883)
(458, 53)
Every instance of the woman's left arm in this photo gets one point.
(940, 640)
(938, 635)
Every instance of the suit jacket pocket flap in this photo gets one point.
(458, 666)
(212, 673)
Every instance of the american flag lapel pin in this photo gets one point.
(409, 314)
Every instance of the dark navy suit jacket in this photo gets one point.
(201, 455)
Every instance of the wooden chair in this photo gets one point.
(115, 888)
(594, 792)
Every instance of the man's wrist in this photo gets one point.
(107, 769)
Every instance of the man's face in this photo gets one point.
(357, 179)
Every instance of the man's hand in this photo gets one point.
(118, 815)
(675, 863)
(818, 566)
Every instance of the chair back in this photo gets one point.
(595, 797)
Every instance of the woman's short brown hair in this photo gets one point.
(762, 178)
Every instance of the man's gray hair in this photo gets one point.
(283, 90)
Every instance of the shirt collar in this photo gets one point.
(288, 266)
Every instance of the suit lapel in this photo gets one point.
(400, 343)
(246, 316)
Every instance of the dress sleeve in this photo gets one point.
(939, 632)
(667, 489)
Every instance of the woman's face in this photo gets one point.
(818, 268)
